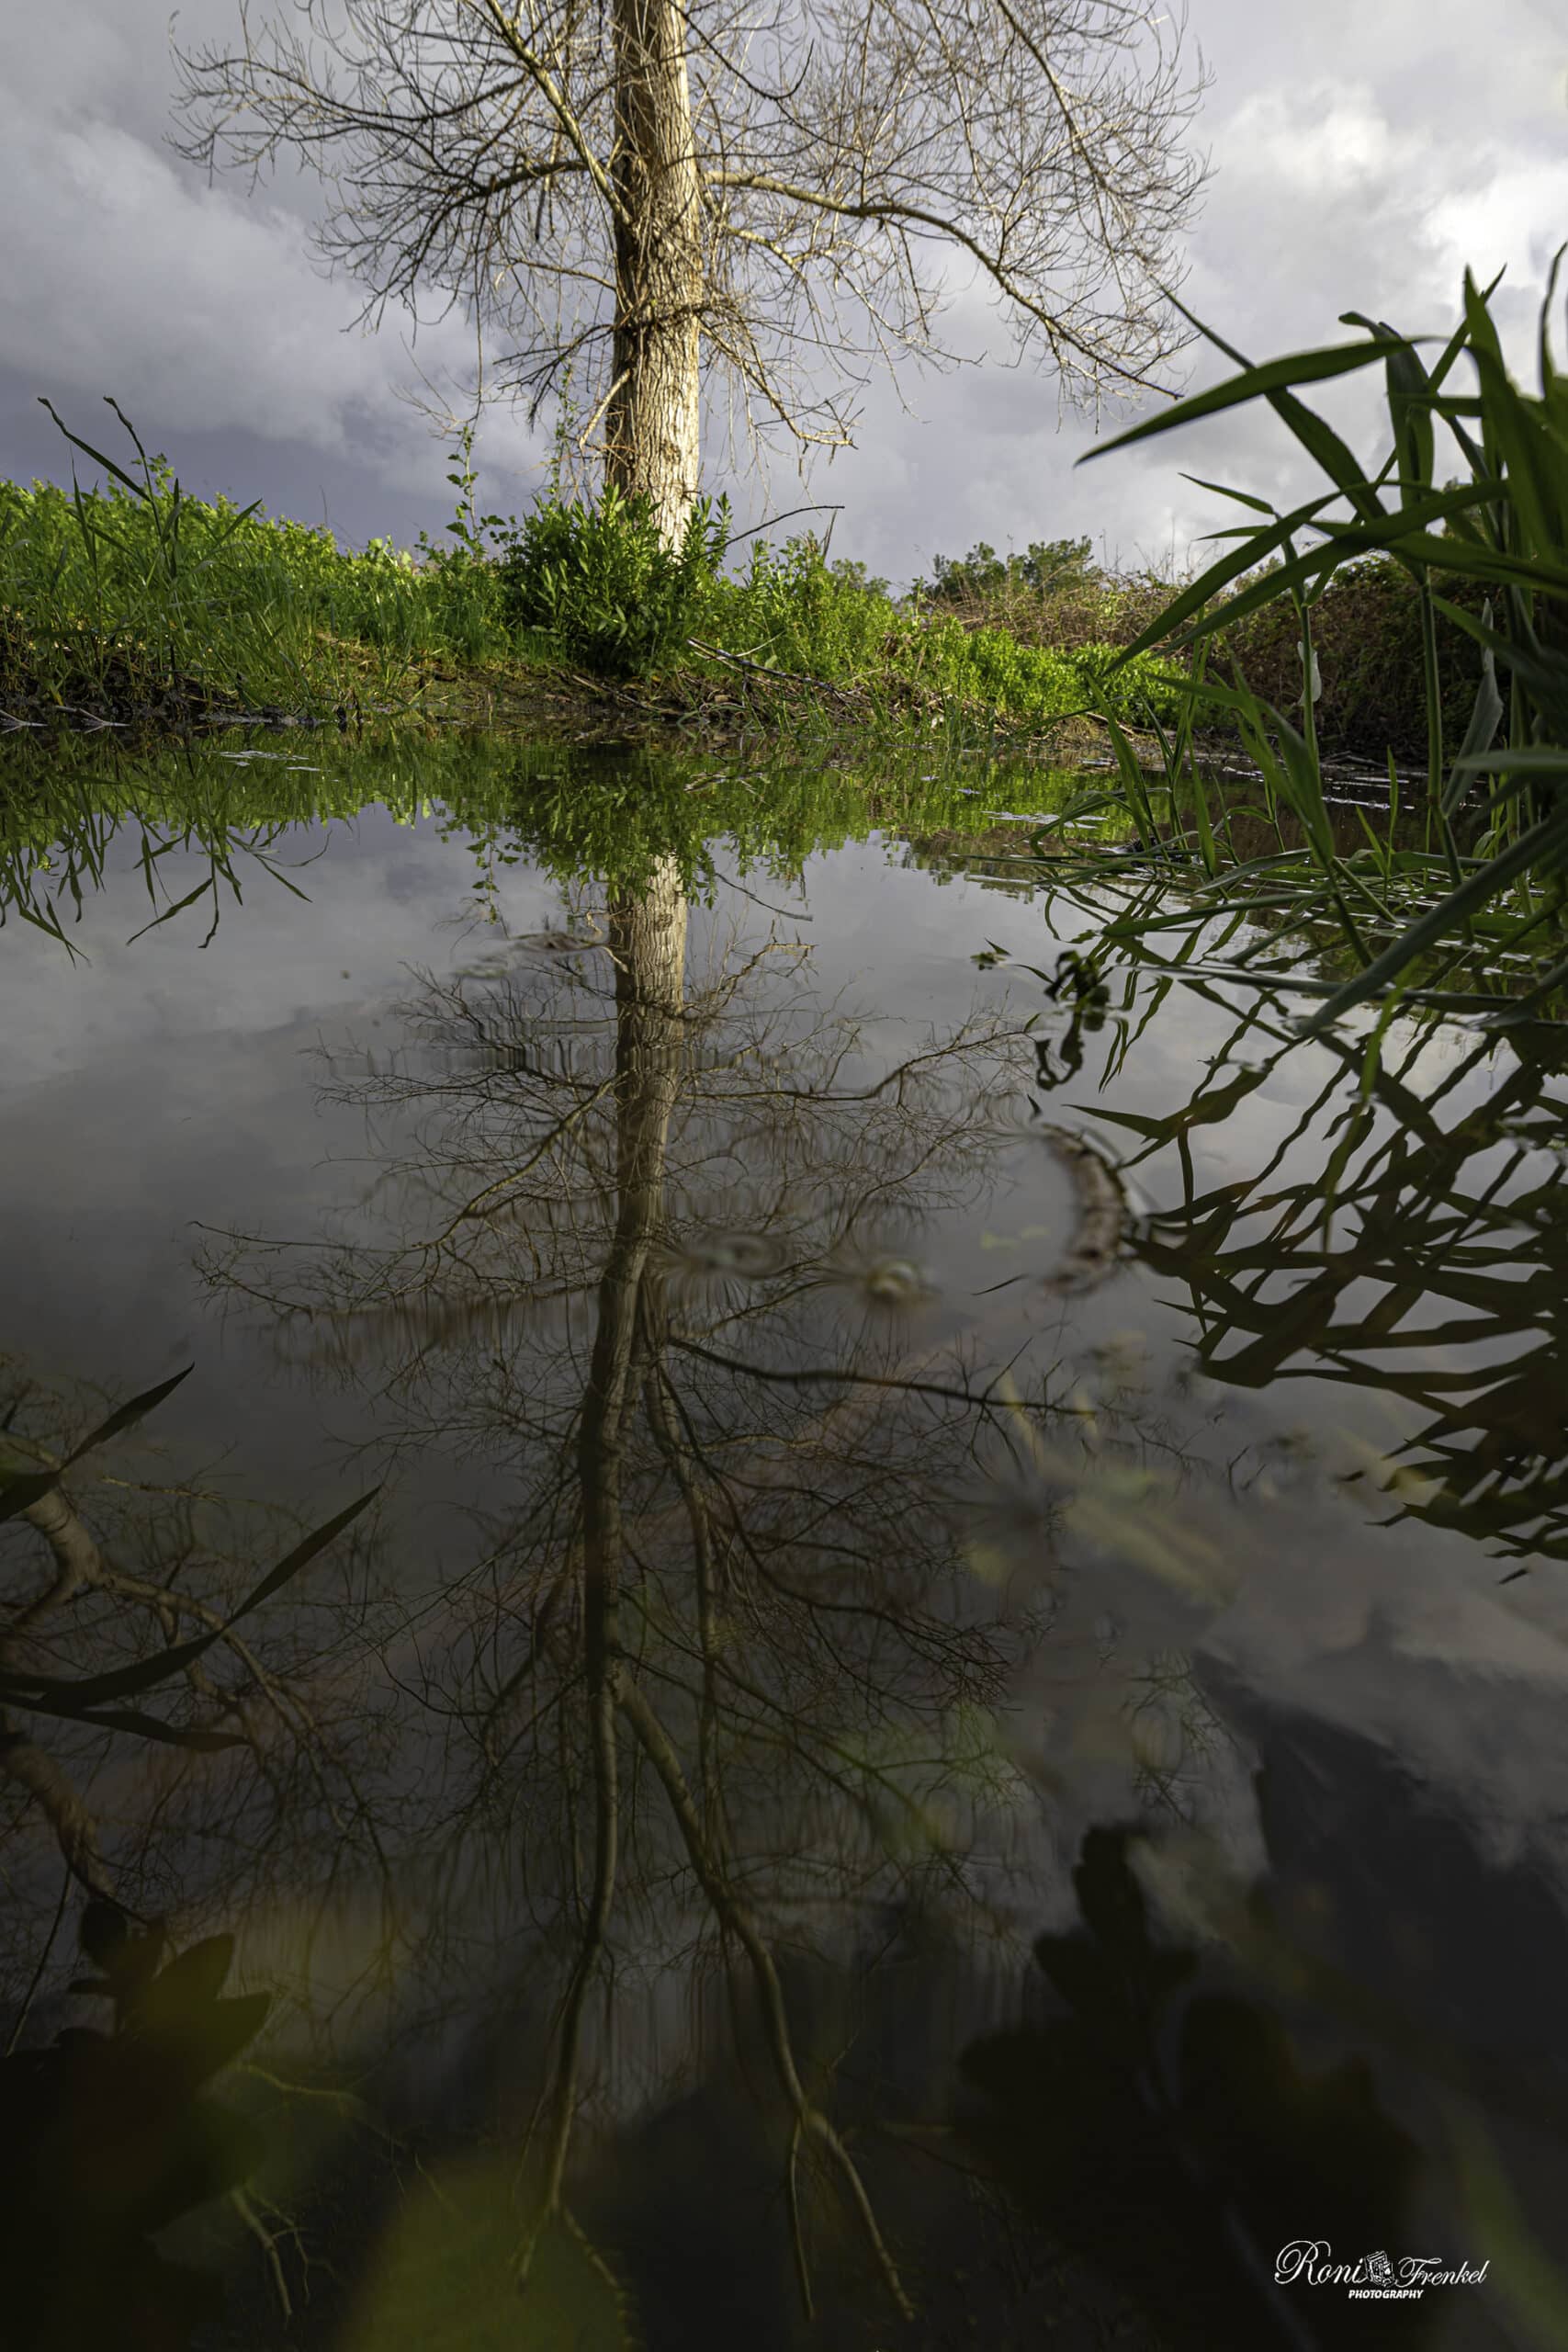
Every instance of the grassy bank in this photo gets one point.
(136, 605)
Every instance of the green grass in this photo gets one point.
(135, 599)
(130, 595)
(792, 611)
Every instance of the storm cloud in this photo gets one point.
(1361, 156)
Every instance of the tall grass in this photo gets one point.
(136, 599)
(136, 595)
(1489, 863)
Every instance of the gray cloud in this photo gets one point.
(1362, 156)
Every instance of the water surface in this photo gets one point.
(871, 1773)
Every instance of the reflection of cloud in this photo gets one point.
(1379, 1716)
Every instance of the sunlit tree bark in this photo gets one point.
(786, 193)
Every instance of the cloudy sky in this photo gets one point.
(1363, 152)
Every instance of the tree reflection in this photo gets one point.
(770, 1514)
(666, 1273)
(113, 1621)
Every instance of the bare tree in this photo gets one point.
(774, 189)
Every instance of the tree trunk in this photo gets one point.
(648, 940)
(651, 422)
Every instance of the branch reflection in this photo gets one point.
(648, 1251)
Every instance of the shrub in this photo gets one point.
(1366, 629)
(984, 576)
(600, 582)
(792, 611)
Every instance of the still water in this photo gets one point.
(941, 1719)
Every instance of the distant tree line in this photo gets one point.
(983, 575)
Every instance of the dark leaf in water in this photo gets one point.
(1177, 2157)
(194, 1977)
(92, 1690)
(104, 1931)
(17, 1495)
(109, 2141)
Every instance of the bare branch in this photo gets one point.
(777, 191)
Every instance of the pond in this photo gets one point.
(860, 1617)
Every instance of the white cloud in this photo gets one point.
(1363, 157)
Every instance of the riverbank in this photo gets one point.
(135, 607)
(79, 680)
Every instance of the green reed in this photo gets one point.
(1488, 863)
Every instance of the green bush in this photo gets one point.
(794, 612)
(1366, 629)
(983, 575)
(601, 584)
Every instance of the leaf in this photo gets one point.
(1255, 383)
(140, 489)
(194, 1977)
(1342, 541)
(90, 1692)
(1532, 452)
(125, 1415)
(1486, 715)
(19, 1494)
(1486, 882)
(1408, 393)
(1544, 670)
(1530, 759)
(169, 914)
(1242, 498)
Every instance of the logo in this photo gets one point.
(1373, 2278)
